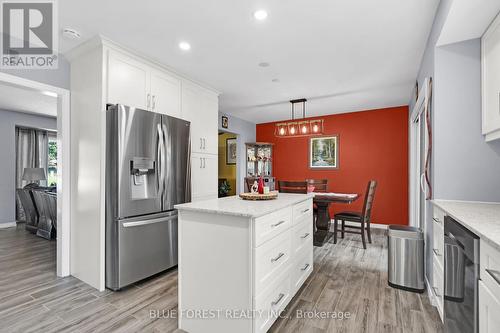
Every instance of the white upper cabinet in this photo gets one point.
(491, 81)
(200, 107)
(127, 81)
(134, 83)
(165, 94)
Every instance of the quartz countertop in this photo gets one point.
(245, 208)
(482, 218)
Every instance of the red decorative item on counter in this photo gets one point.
(260, 189)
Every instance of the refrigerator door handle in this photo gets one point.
(146, 222)
(161, 160)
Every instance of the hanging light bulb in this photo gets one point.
(304, 127)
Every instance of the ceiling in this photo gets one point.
(342, 55)
(28, 101)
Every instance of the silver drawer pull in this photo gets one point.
(305, 267)
(277, 224)
(436, 220)
(436, 252)
(278, 257)
(435, 289)
(305, 235)
(305, 210)
(494, 274)
(280, 297)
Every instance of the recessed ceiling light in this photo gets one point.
(260, 15)
(185, 46)
(71, 33)
(264, 64)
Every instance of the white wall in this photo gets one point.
(246, 133)
(8, 122)
(463, 165)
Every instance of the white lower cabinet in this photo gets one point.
(489, 288)
(204, 169)
(489, 310)
(234, 262)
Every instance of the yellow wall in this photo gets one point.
(225, 170)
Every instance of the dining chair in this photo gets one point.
(358, 217)
(44, 222)
(320, 185)
(286, 186)
(30, 212)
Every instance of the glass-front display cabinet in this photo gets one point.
(259, 163)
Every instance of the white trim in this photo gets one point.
(7, 225)
(430, 294)
(63, 164)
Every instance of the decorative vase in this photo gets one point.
(261, 185)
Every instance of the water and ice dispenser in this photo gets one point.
(143, 178)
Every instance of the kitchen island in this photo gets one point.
(241, 262)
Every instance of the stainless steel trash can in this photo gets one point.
(406, 258)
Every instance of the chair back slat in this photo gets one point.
(292, 186)
(320, 185)
(369, 197)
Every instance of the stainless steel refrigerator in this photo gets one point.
(147, 173)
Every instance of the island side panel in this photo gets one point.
(215, 271)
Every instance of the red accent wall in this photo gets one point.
(372, 145)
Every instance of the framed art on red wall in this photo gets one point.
(324, 152)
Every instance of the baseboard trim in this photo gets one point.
(8, 225)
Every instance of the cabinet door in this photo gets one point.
(491, 81)
(165, 94)
(127, 81)
(210, 114)
(201, 109)
(489, 311)
(203, 176)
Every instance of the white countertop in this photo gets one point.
(246, 208)
(482, 218)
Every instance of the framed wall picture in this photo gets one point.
(225, 122)
(324, 152)
(231, 151)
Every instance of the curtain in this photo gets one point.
(31, 152)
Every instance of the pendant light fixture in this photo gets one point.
(300, 127)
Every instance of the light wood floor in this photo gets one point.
(346, 278)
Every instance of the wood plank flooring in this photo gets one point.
(346, 278)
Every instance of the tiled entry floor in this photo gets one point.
(346, 278)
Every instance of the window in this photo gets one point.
(52, 160)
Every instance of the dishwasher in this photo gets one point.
(461, 275)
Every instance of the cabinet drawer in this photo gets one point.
(271, 302)
(438, 243)
(490, 267)
(489, 310)
(269, 226)
(438, 286)
(302, 236)
(270, 259)
(302, 210)
(302, 268)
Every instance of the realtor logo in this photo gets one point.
(29, 34)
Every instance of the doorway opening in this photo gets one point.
(228, 164)
(35, 129)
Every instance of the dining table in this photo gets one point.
(322, 223)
